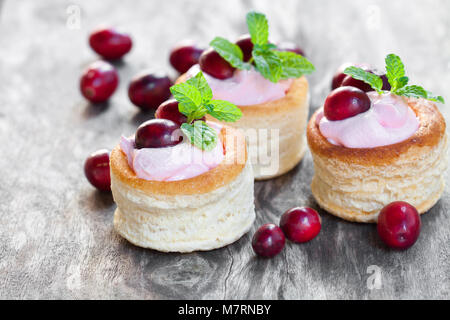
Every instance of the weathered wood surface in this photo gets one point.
(56, 234)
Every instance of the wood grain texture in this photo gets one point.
(56, 233)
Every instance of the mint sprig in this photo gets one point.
(194, 101)
(230, 52)
(273, 65)
(371, 79)
(200, 135)
(258, 27)
(396, 75)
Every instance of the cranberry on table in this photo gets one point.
(245, 43)
(399, 225)
(158, 133)
(345, 102)
(110, 43)
(268, 240)
(184, 56)
(99, 81)
(214, 65)
(292, 47)
(300, 224)
(96, 170)
(148, 90)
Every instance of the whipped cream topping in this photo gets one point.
(389, 120)
(245, 87)
(179, 162)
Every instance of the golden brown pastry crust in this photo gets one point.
(215, 178)
(356, 183)
(431, 130)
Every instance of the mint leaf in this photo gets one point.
(394, 71)
(202, 85)
(419, 92)
(267, 63)
(258, 27)
(189, 97)
(401, 82)
(371, 79)
(224, 110)
(412, 91)
(200, 135)
(230, 52)
(434, 98)
(294, 65)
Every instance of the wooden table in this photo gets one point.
(56, 233)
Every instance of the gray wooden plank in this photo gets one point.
(56, 235)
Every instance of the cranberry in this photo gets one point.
(184, 56)
(149, 90)
(349, 81)
(386, 84)
(110, 43)
(339, 76)
(213, 64)
(292, 47)
(399, 225)
(300, 224)
(345, 102)
(96, 170)
(157, 133)
(99, 81)
(169, 110)
(245, 43)
(268, 240)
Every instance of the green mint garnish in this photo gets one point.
(273, 65)
(258, 27)
(194, 101)
(230, 52)
(200, 135)
(371, 79)
(395, 73)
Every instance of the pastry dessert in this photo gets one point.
(269, 87)
(374, 148)
(183, 188)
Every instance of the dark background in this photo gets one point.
(56, 233)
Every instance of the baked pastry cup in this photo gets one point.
(356, 183)
(275, 130)
(205, 212)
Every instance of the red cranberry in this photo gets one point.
(157, 133)
(399, 225)
(169, 110)
(184, 56)
(99, 81)
(110, 43)
(96, 170)
(300, 224)
(345, 102)
(349, 81)
(214, 65)
(386, 84)
(268, 241)
(149, 90)
(339, 76)
(292, 47)
(245, 43)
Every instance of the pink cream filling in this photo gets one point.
(389, 120)
(182, 161)
(245, 87)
